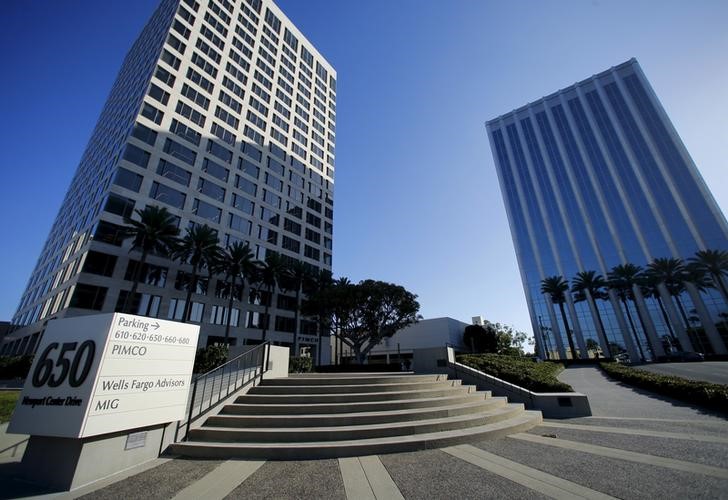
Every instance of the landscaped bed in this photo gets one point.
(691, 391)
(7, 404)
(523, 372)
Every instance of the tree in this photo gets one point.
(313, 307)
(271, 271)
(509, 342)
(297, 274)
(368, 312)
(715, 264)
(593, 345)
(155, 232)
(555, 287)
(673, 274)
(650, 285)
(589, 285)
(199, 249)
(621, 279)
(480, 339)
(236, 261)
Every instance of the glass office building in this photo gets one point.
(225, 114)
(594, 176)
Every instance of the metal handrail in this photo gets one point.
(229, 378)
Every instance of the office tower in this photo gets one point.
(223, 113)
(595, 176)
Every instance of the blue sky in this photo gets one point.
(417, 198)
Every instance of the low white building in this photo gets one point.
(436, 332)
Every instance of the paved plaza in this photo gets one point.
(636, 445)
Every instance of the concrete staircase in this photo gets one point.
(339, 415)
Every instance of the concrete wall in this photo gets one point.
(68, 464)
(278, 362)
(551, 404)
(427, 333)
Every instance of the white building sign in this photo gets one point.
(105, 373)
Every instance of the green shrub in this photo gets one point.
(210, 357)
(300, 365)
(523, 372)
(8, 399)
(15, 366)
(691, 391)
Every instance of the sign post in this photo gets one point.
(97, 383)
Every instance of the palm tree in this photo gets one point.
(155, 232)
(235, 262)
(298, 273)
(316, 308)
(652, 290)
(622, 279)
(588, 285)
(272, 270)
(556, 288)
(715, 264)
(673, 273)
(198, 248)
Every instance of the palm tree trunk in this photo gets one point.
(717, 278)
(135, 281)
(188, 301)
(688, 326)
(666, 318)
(601, 326)
(295, 320)
(644, 328)
(230, 308)
(568, 331)
(634, 329)
(267, 309)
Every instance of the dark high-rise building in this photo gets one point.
(595, 176)
(223, 113)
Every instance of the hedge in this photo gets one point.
(691, 391)
(300, 365)
(15, 366)
(210, 357)
(523, 372)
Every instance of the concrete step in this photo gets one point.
(350, 379)
(361, 418)
(305, 399)
(341, 433)
(356, 447)
(353, 388)
(354, 407)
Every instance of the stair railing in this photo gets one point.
(213, 387)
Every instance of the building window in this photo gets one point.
(167, 195)
(136, 155)
(99, 263)
(173, 172)
(219, 316)
(119, 205)
(143, 304)
(88, 297)
(150, 273)
(128, 179)
(177, 307)
(107, 232)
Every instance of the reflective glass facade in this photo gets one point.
(595, 176)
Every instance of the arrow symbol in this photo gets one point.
(156, 326)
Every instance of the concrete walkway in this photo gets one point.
(608, 398)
